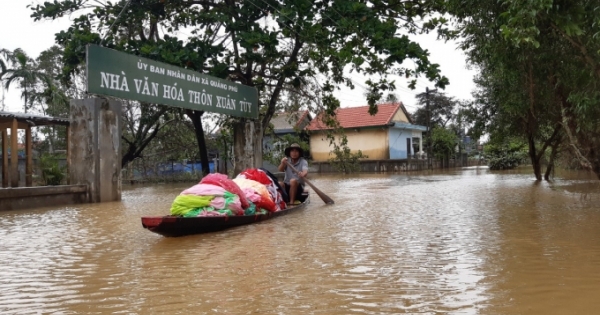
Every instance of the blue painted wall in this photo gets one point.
(397, 138)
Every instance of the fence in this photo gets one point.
(401, 165)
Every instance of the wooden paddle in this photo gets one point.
(321, 194)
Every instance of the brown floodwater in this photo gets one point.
(466, 241)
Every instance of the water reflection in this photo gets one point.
(467, 241)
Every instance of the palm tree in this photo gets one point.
(6, 59)
(25, 72)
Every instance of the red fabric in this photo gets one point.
(257, 175)
(222, 180)
(260, 176)
(267, 204)
(258, 193)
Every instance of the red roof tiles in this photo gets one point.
(354, 117)
(301, 119)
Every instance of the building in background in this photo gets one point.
(389, 134)
(292, 124)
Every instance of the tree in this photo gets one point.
(195, 116)
(6, 59)
(142, 122)
(274, 156)
(505, 153)
(443, 142)
(437, 111)
(441, 109)
(173, 142)
(24, 71)
(516, 96)
(51, 99)
(343, 159)
(267, 44)
(40, 91)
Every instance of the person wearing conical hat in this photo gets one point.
(294, 183)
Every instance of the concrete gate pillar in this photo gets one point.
(95, 147)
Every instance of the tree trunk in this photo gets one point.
(144, 134)
(247, 145)
(595, 161)
(25, 94)
(535, 161)
(550, 167)
(134, 150)
(196, 116)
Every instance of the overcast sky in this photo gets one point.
(20, 31)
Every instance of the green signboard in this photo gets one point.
(114, 73)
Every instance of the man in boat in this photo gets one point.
(294, 183)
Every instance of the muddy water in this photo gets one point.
(468, 241)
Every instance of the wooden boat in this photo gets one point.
(179, 226)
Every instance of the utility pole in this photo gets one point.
(460, 140)
(429, 166)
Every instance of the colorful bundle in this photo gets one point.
(223, 181)
(206, 200)
(253, 188)
(273, 187)
(223, 199)
(252, 192)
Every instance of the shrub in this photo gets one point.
(52, 173)
(506, 161)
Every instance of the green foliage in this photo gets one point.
(142, 124)
(343, 160)
(24, 71)
(508, 160)
(537, 71)
(274, 156)
(52, 173)
(223, 143)
(273, 46)
(322, 38)
(444, 142)
(506, 155)
(40, 91)
(441, 109)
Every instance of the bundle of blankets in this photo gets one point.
(253, 191)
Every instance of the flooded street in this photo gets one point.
(466, 241)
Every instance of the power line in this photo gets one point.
(115, 21)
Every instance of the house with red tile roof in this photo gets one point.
(389, 134)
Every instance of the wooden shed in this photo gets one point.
(23, 121)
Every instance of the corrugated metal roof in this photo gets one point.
(355, 117)
(31, 119)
